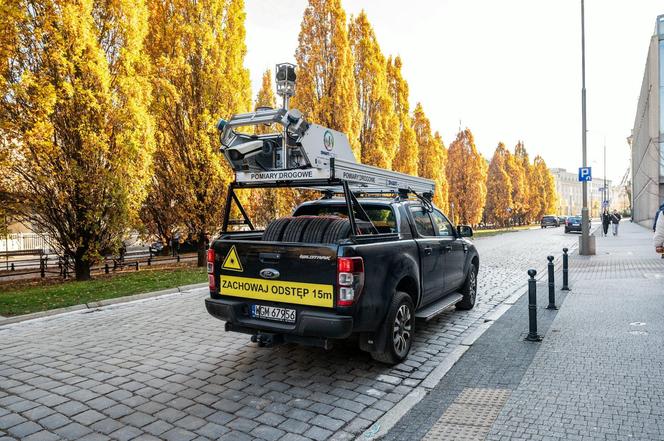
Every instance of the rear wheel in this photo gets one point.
(469, 290)
(397, 330)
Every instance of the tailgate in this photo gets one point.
(299, 274)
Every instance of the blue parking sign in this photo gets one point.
(585, 174)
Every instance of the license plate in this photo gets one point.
(273, 313)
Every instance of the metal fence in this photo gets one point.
(25, 241)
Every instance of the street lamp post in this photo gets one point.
(586, 247)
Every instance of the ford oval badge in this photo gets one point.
(269, 273)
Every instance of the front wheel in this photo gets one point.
(398, 330)
(469, 290)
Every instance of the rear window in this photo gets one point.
(549, 218)
(382, 216)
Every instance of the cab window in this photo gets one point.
(442, 225)
(422, 222)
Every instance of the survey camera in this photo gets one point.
(285, 76)
(244, 151)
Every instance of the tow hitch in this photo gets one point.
(267, 340)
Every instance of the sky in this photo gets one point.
(509, 70)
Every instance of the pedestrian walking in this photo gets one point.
(654, 224)
(659, 233)
(606, 220)
(615, 221)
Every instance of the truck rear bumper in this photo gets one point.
(308, 323)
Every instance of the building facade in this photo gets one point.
(647, 139)
(570, 193)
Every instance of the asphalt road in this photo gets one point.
(164, 369)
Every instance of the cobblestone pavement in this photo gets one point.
(599, 375)
(164, 369)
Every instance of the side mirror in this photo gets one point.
(464, 231)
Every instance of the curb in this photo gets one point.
(96, 305)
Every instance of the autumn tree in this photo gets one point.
(197, 49)
(406, 157)
(325, 89)
(76, 129)
(499, 188)
(466, 175)
(520, 171)
(432, 156)
(379, 136)
(542, 189)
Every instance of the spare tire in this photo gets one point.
(275, 230)
(316, 229)
(338, 229)
(295, 228)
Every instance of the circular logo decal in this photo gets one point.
(328, 140)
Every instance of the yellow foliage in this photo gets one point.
(407, 156)
(499, 206)
(433, 156)
(197, 49)
(76, 128)
(543, 189)
(325, 90)
(379, 134)
(466, 175)
(519, 171)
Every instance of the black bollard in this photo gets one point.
(106, 268)
(41, 267)
(552, 285)
(136, 266)
(532, 307)
(150, 261)
(565, 270)
(13, 268)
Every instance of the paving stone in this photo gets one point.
(294, 426)
(242, 425)
(157, 427)
(326, 422)
(178, 434)
(267, 433)
(11, 420)
(88, 417)
(317, 433)
(212, 430)
(138, 419)
(72, 431)
(24, 429)
(41, 436)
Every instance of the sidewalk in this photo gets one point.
(597, 375)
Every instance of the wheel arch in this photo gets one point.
(410, 286)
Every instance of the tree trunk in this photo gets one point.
(202, 252)
(81, 268)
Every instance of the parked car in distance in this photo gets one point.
(549, 221)
(573, 223)
(562, 220)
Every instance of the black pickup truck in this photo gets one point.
(307, 279)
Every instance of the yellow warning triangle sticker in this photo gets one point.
(232, 261)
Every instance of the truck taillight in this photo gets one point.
(350, 279)
(210, 269)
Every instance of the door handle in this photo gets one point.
(427, 251)
(447, 248)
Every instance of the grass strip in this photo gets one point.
(26, 298)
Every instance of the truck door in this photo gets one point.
(454, 251)
(431, 256)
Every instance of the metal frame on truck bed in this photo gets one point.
(332, 175)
